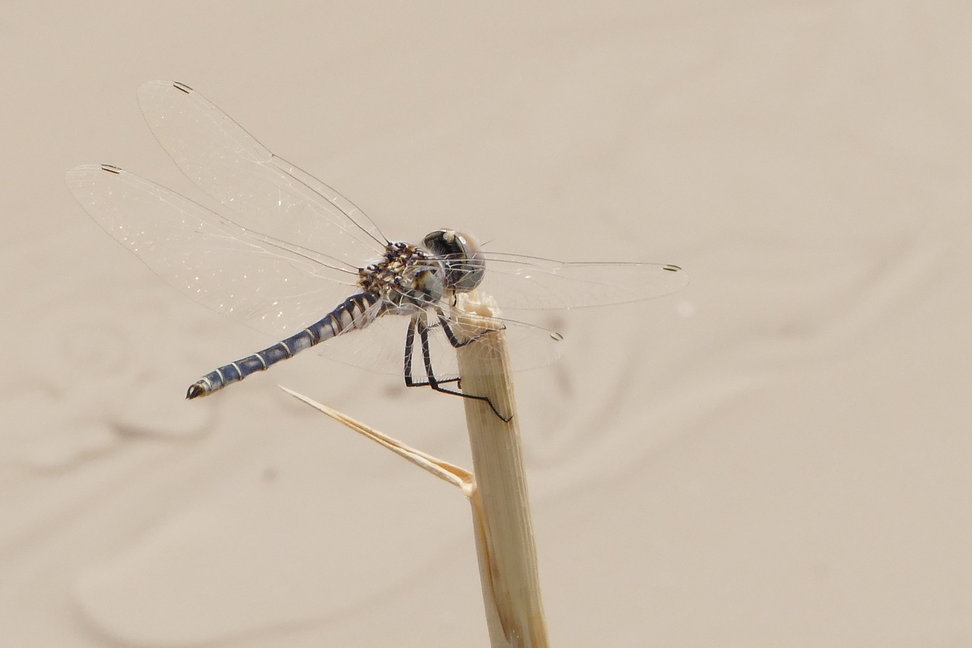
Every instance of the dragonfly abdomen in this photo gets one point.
(355, 312)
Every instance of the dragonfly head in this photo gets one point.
(459, 254)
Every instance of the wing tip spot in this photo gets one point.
(110, 168)
(672, 268)
(181, 86)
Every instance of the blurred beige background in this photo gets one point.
(776, 456)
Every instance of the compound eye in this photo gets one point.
(446, 243)
(464, 265)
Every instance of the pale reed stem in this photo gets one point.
(501, 508)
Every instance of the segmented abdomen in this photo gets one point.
(355, 312)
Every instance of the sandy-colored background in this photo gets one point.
(777, 456)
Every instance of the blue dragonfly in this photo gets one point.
(289, 256)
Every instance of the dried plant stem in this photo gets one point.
(501, 507)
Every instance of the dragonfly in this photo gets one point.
(289, 256)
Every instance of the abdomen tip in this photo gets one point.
(196, 390)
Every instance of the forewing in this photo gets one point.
(239, 273)
(531, 283)
(265, 192)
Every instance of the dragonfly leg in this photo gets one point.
(409, 352)
(419, 323)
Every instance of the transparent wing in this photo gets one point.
(249, 277)
(380, 348)
(530, 345)
(520, 283)
(265, 192)
(526, 286)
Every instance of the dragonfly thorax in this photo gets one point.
(405, 277)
